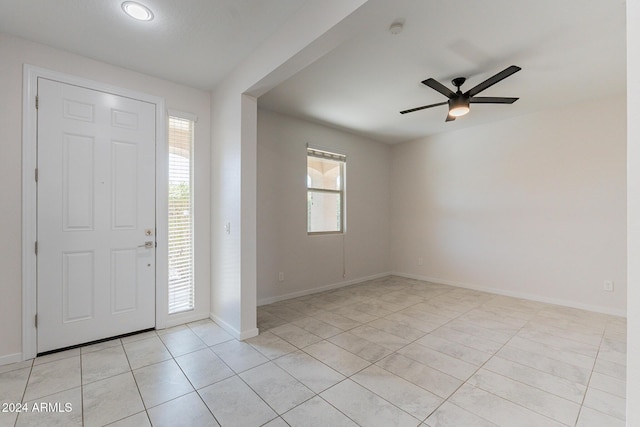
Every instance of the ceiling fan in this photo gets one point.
(459, 102)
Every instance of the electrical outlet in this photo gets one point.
(607, 286)
(281, 277)
(420, 261)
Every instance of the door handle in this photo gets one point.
(147, 245)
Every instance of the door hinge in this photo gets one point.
(36, 248)
(36, 321)
(36, 174)
(37, 102)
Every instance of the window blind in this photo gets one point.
(180, 237)
(314, 152)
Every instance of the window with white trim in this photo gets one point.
(325, 191)
(180, 237)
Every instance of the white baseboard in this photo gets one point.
(523, 295)
(249, 334)
(10, 358)
(239, 335)
(271, 300)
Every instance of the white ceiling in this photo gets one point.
(193, 42)
(569, 51)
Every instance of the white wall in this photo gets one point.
(633, 213)
(532, 206)
(312, 262)
(14, 53)
(313, 31)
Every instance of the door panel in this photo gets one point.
(96, 199)
(77, 286)
(124, 286)
(77, 182)
(124, 172)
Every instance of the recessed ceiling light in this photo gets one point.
(137, 11)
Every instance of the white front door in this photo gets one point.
(96, 211)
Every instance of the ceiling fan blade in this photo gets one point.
(450, 118)
(492, 100)
(493, 80)
(436, 85)
(423, 107)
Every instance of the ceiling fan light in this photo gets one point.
(458, 106)
(459, 111)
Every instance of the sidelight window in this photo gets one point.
(180, 237)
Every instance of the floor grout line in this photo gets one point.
(396, 296)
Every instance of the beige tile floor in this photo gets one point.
(388, 352)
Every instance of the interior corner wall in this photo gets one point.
(532, 206)
(633, 215)
(225, 212)
(15, 52)
(313, 31)
(315, 262)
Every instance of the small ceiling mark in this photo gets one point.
(396, 27)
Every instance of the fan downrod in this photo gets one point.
(458, 81)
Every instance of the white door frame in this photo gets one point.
(29, 196)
